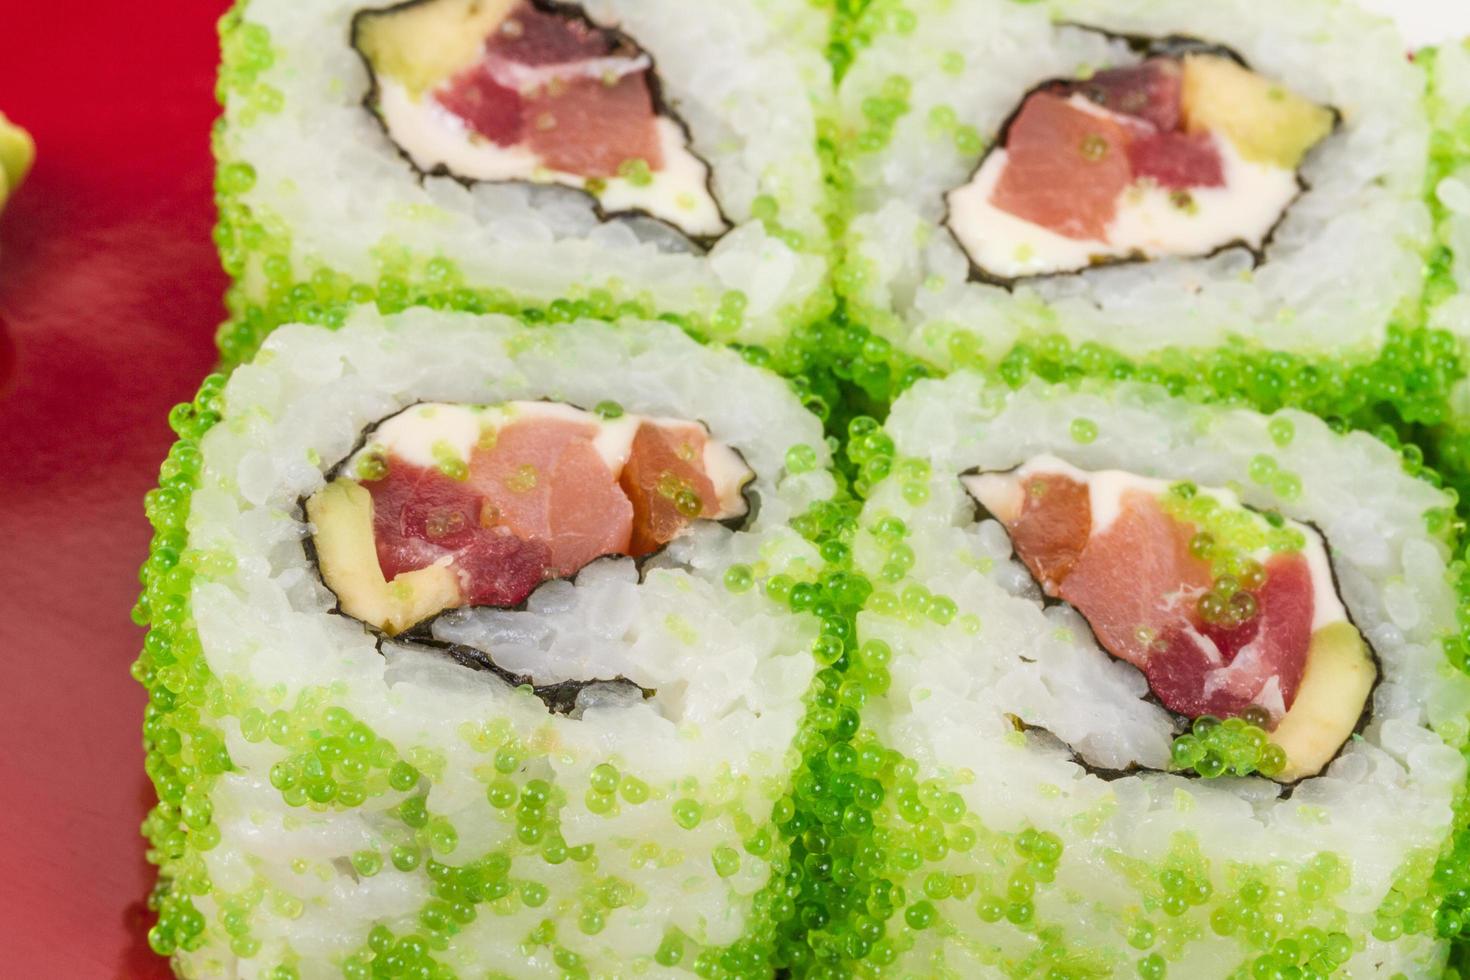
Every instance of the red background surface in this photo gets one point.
(111, 291)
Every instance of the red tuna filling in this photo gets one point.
(591, 128)
(544, 481)
(1150, 91)
(420, 516)
(1177, 161)
(487, 107)
(1273, 643)
(540, 503)
(534, 37)
(1136, 583)
(666, 484)
(574, 122)
(1067, 166)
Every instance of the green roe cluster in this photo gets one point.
(183, 752)
(1235, 747)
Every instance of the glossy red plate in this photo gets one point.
(110, 290)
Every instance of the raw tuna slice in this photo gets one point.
(487, 107)
(1053, 527)
(1177, 160)
(534, 37)
(500, 569)
(1271, 646)
(1136, 579)
(421, 516)
(1149, 91)
(1276, 645)
(665, 463)
(577, 98)
(590, 127)
(544, 481)
(1066, 168)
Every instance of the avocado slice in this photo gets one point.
(342, 513)
(1334, 689)
(420, 44)
(1267, 122)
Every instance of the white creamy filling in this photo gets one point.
(1003, 496)
(416, 434)
(614, 440)
(678, 192)
(425, 435)
(1148, 221)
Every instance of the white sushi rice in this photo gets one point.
(1347, 255)
(742, 74)
(1385, 799)
(730, 671)
(1425, 22)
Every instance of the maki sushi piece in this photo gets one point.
(1137, 177)
(445, 675)
(1169, 690)
(507, 155)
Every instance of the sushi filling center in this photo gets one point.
(1228, 612)
(534, 91)
(1180, 155)
(447, 506)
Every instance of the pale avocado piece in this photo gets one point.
(1334, 689)
(342, 513)
(422, 44)
(1267, 122)
(17, 153)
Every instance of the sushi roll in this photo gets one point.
(1135, 176)
(1175, 691)
(449, 671)
(506, 155)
